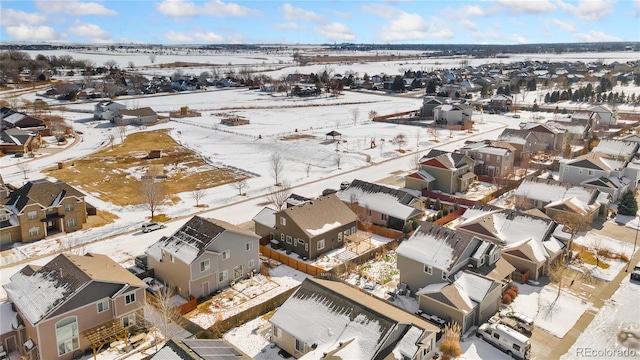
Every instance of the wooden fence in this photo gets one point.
(289, 261)
(450, 217)
(448, 198)
(189, 306)
(379, 230)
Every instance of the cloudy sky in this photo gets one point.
(315, 22)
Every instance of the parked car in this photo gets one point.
(326, 192)
(152, 226)
(516, 116)
(520, 321)
(635, 275)
(506, 339)
(344, 185)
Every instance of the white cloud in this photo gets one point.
(636, 5)
(336, 31)
(34, 33)
(215, 8)
(472, 11)
(589, 10)
(527, 6)
(499, 36)
(11, 17)
(294, 13)
(90, 31)
(74, 7)
(209, 37)
(288, 26)
(383, 11)
(469, 25)
(564, 25)
(596, 36)
(177, 37)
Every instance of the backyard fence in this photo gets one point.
(452, 216)
(290, 262)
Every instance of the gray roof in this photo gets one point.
(319, 214)
(42, 192)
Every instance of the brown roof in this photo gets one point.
(317, 213)
(41, 192)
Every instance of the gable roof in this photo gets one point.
(192, 239)
(517, 136)
(596, 161)
(616, 148)
(435, 245)
(379, 198)
(465, 293)
(549, 190)
(320, 215)
(37, 292)
(346, 321)
(444, 159)
(42, 192)
(143, 111)
(15, 136)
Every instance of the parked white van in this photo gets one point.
(506, 339)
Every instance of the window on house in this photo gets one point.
(5, 217)
(68, 207)
(67, 335)
(51, 211)
(171, 258)
(205, 265)
(248, 246)
(497, 158)
(306, 247)
(289, 239)
(34, 231)
(226, 254)
(347, 232)
(383, 217)
(488, 157)
(71, 222)
(428, 269)
(300, 241)
(299, 345)
(339, 237)
(283, 221)
(129, 298)
(479, 156)
(223, 275)
(353, 230)
(32, 215)
(320, 244)
(277, 333)
(103, 305)
(445, 275)
(281, 237)
(368, 212)
(129, 320)
(252, 263)
(238, 272)
(591, 172)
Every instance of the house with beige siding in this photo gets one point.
(61, 304)
(333, 320)
(598, 170)
(490, 158)
(381, 205)
(204, 255)
(315, 227)
(41, 208)
(444, 171)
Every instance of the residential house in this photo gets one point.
(470, 300)
(598, 170)
(40, 208)
(444, 171)
(61, 304)
(9, 341)
(526, 240)
(525, 142)
(453, 114)
(500, 103)
(314, 227)
(326, 319)
(382, 205)
(140, 116)
(617, 149)
(549, 136)
(106, 110)
(554, 198)
(18, 141)
(12, 119)
(429, 103)
(198, 349)
(608, 116)
(490, 160)
(434, 254)
(576, 134)
(204, 255)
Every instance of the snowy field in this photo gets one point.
(594, 241)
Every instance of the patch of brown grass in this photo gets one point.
(589, 257)
(107, 173)
(297, 136)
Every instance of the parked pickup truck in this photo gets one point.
(152, 226)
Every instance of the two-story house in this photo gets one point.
(526, 241)
(40, 208)
(326, 319)
(500, 103)
(608, 117)
(382, 205)
(453, 114)
(490, 160)
(314, 227)
(554, 198)
(62, 303)
(617, 149)
(106, 110)
(447, 172)
(598, 170)
(204, 255)
(525, 142)
(140, 116)
(552, 137)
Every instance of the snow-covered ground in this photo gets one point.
(593, 242)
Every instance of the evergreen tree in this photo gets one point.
(437, 205)
(628, 204)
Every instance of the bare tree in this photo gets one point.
(573, 224)
(556, 273)
(111, 64)
(24, 169)
(308, 168)
(276, 163)
(434, 132)
(198, 194)
(354, 115)
(400, 140)
(337, 158)
(122, 128)
(152, 58)
(373, 114)
(111, 138)
(161, 312)
(240, 185)
(131, 65)
(415, 160)
(279, 195)
(153, 193)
